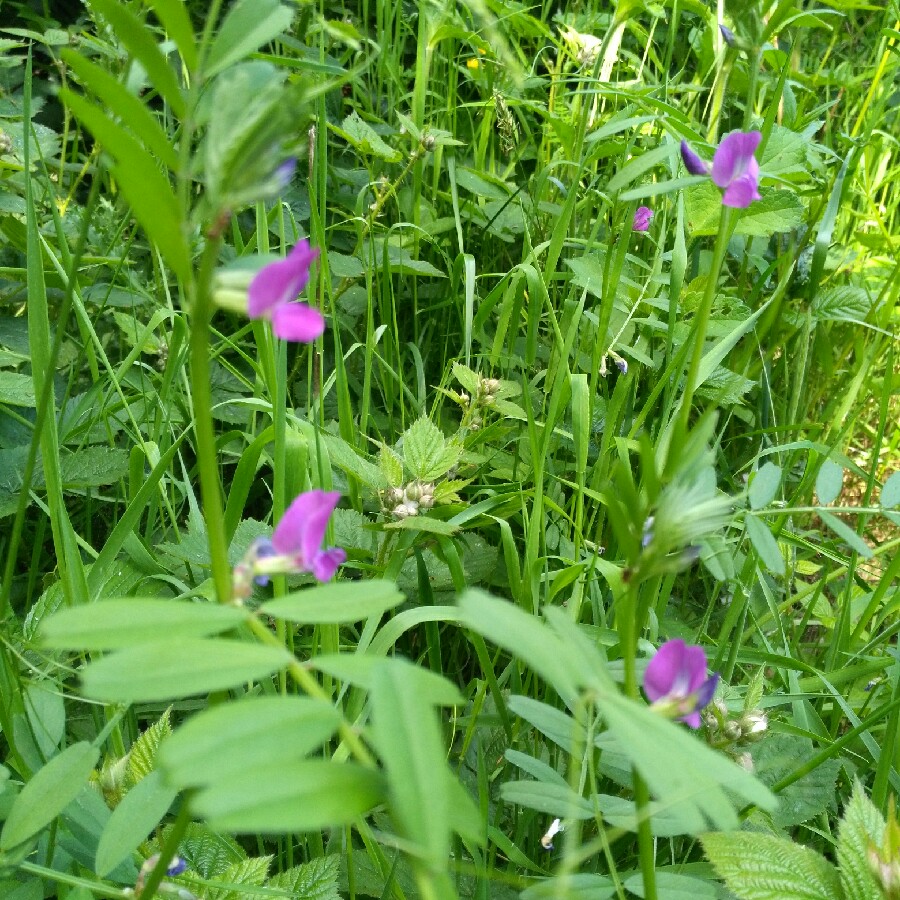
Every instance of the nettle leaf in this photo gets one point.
(842, 303)
(765, 867)
(142, 756)
(467, 378)
(862, 825)
(16, 390)
(426, 453)
(247, 873)
(785, 152)
(777, 212)
(366, 140)
(315, 880)
(777, 756)
(207, 852)
(391, 465)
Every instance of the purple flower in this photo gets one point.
(728, 35)
(300, 533)
(176, 867)
(276, 286)
(676, 679)
(642, 217)
(734, 168)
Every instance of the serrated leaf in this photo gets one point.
(467, 378)
(16, 390)
(179, 667)
(207, 852)
(890, 491)
(426, 453)
(862, 826)
(247, 873)
(841, 303)
(764, 867)
(52, 788)
(764, 485)
(142, 756)
(423, 523)
(777, 212)
(776, 757)
(765, 544)
(366, 140)
(391, 466)
(315, 880)
(93, 467)
(829, 481)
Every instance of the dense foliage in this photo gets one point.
(449, 450)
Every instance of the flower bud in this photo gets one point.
(732, 730)
(754, 725)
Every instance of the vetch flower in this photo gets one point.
(274, 289)
(642, 217)
(295, 545)
(675, 681)
(727, 35)
(734, 167)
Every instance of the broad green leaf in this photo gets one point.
(221, 743)
(314, 880)
(764, 544)
(842, 303)
(890, 491)
(110, 624)
(359, 669)
(248, 25)
(46, 711)
(146, 188)
(423, 523)
(640, 164)
(175, 19)
(553, 723)
(580, 886)
(426, 452)
(829, 481)
(131, 111)
(846, 534)
(32, 889)
(48, 793)
(243, 875)
(764, 485)
(777, 212)
(553, 799)
(334, 604)
(93, 467)
(467, 378)
(16, 390)
(764, 867)
(179, 667)
(861, 827)
(139, 812)
(776, 756)
(298, 796)
(138, 38)
(408, 738)
(366, 140)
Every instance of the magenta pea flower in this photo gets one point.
(295, 545)
(734, 167)
(642, 217)
(675, 681)
(274, 289)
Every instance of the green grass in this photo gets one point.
(470, 182)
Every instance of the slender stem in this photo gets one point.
(701, 321)
(308, 684)
(210, 485)
(167, 853)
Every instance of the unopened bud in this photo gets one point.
(754, 725)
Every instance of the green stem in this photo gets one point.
(308, 684)
(167, 852)
(210, 486)
(701, 321)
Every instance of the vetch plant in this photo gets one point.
(274, 289)
(642, 217)
(675, 681)
(295, 545)
(734, 167)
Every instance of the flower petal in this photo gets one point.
(281, 281)
(694, 667)
(692, 162)
(664, 669)
(325, 563)
(742, 191)
(706, 690)
(642, 217)
(302, 527)
(734, 157)
(297, 322)
(692, 719)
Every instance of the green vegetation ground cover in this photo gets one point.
(575, 407)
